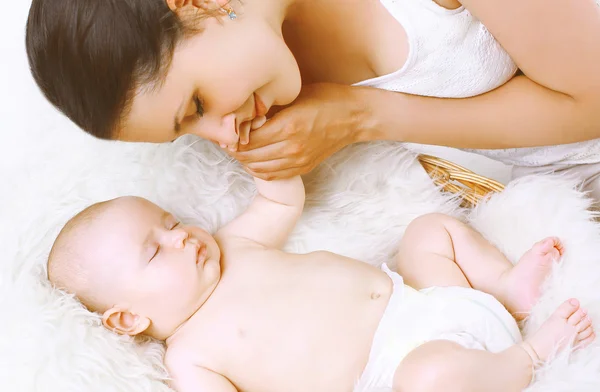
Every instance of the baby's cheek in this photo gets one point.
(212, 276)
(166, 280)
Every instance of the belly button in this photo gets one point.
(375, 295)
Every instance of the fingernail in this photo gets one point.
(573, 302)
(244, 142)
(222, 145)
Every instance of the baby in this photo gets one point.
(238, 314)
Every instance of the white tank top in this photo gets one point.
(453, 55)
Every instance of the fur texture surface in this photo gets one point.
(358, 204)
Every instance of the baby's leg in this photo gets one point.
(446, 366)
(438, 250)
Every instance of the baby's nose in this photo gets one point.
(227, 132)
(178, 237)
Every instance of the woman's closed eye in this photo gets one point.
(199, 107)
(193, 113)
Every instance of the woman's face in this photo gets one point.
(218, 82)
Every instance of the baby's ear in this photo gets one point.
(123, 322)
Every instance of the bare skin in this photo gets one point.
(459, 246)
(526, 278)
(310, 54)
(443, 365)
(249, 317)
(456, 255)
(274, 305)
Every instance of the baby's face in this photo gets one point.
(157, 267)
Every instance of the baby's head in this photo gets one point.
(132, 262)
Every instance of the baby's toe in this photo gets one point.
(585, 342)
(545, 245)
(549, 247)
(584, 323)
(577, 317)
(567, 308)
(559, 246)
(554, 254)
(586, 333)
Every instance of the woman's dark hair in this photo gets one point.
(89, 56)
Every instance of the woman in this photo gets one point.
(151, 70)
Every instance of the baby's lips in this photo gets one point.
(202, 252)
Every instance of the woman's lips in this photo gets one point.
(259, 106)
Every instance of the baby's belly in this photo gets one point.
(309, 327)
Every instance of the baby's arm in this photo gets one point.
(272, 215)
(195, 379)
(187, 377)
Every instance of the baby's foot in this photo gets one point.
(568, 324)
(523, 281)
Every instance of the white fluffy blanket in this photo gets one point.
(358, 204)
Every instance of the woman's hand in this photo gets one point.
(322, 120)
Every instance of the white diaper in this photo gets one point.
(468, 317)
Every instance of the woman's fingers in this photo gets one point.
(258, 122)
(268, 132)
(247, 127)
(244, 137)
(263, 154)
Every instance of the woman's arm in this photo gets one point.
(556, 43)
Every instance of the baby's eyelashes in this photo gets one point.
(155, 253)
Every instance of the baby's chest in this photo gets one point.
(275, 354)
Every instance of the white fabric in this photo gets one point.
(465, 316)
(453, 55)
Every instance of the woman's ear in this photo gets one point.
(176, 5)
(123, 322)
